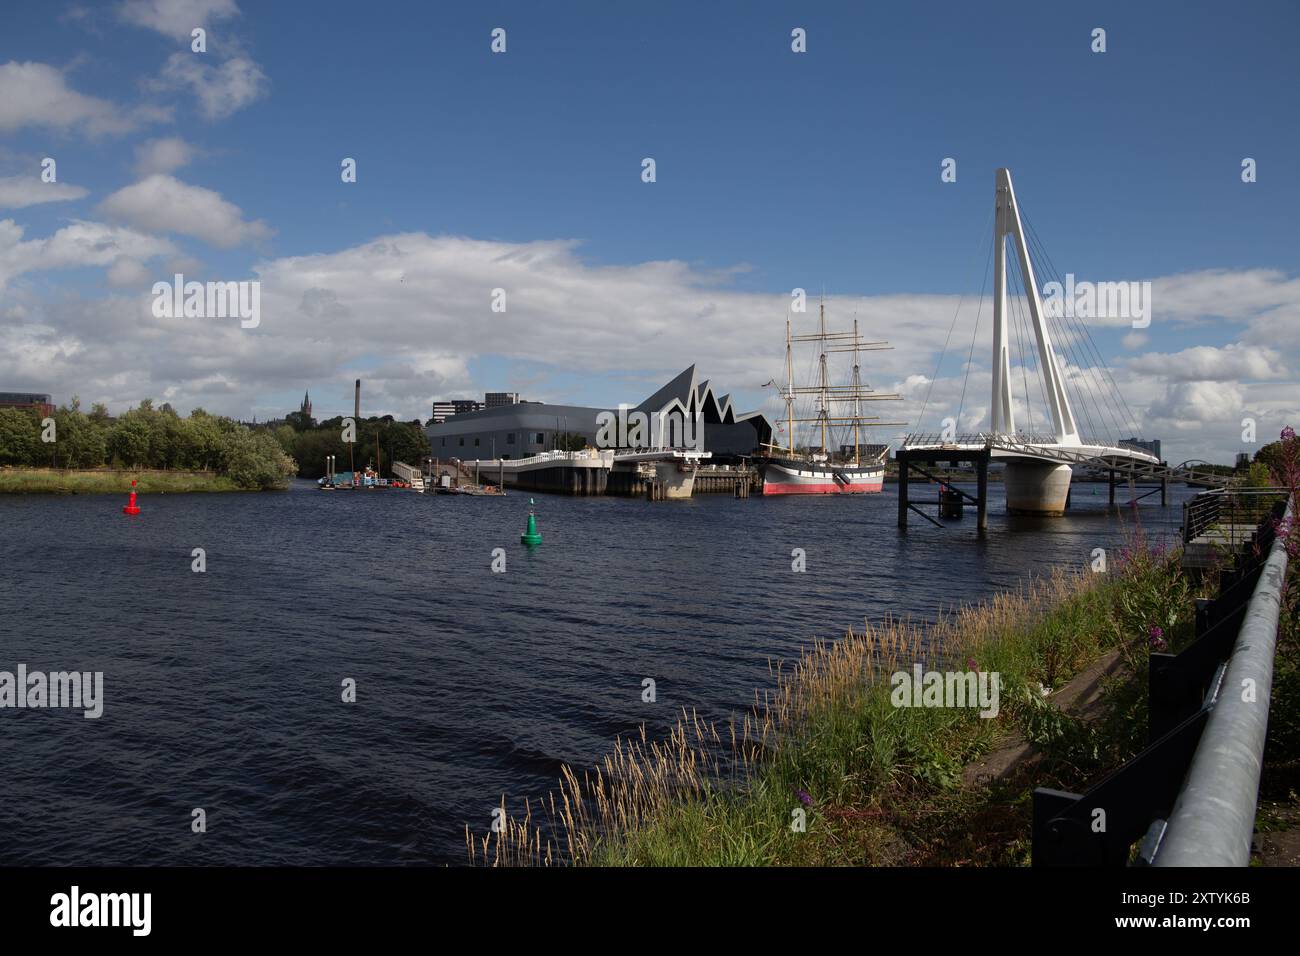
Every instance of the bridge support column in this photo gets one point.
(903, 465)
(1111, 482)
(1036, 487)
(982, 494)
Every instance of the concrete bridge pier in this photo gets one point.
(635, 479)
(1036, 487)
(676, 482)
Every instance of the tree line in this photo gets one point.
(144, 437)
(378, 441)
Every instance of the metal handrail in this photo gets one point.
(1023, 438)
(1213, 819)
(1208, 508)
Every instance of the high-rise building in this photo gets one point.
(455, 406)
(1151, 447)
(499, 399)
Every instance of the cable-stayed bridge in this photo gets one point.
(1038, 464)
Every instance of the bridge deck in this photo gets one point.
(1118, 458)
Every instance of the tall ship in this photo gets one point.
(820, 467)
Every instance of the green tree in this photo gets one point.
(300, 422)
(1258, 476)
(255, 460)
(79, 440)
(20, 437)
(288, 439)
(128, 442)
(311, 449)
(205, 438)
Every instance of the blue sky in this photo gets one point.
(774, 170)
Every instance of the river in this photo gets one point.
(222, 689)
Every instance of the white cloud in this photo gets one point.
(19, 192)
(163, 155)
(422, 304)
(1188, 406)
(176, 18)
(1209, 364)
(221, 90)
(37, 94)
(126, 272)
(79, 244)
(1234, 295)
(162, 203)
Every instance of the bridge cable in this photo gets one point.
(1123, 411)
(1080, 391)
(1070, 333)
(1124, 414)
(1074, 339)
(1024, 323)
(1013, 307)
(944, 351)
(970, 355)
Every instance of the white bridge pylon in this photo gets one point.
(1006, 223)
(1065, 429)
(1037, 476)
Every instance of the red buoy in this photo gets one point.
(131, 508)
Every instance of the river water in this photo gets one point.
(222, 689)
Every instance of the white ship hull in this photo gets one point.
(821, 478)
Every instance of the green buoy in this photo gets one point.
(532, 535)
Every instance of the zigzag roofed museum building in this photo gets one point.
(575, 449)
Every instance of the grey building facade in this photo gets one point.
(529, 428)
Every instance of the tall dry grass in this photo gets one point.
(654, 793)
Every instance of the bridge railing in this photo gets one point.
(406, 472)
(937, 439)
(1190, 796)
(1227, 506)
(604, 456)
(988, 438)
(1213, 819)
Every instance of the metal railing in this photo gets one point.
(1207, 723)
(604, 456)
(1019, 438)
(1227, 506)
(935, 439)
(1213, 819)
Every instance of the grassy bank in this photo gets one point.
(101, 481)
(877, 784)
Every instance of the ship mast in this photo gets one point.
(857, 392)
(829, 395)
(824, 401)
(789, 386)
